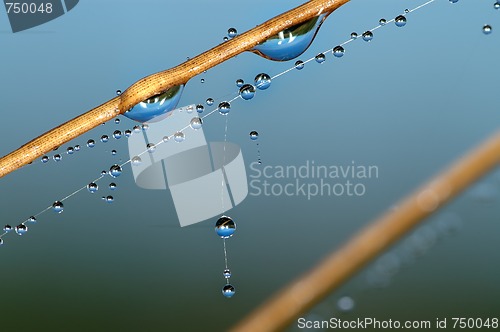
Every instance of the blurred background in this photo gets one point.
(410, 102)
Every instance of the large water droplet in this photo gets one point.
(232, 32)
(338, 51)
(262, 81)
(179, 137)
(254, 135)
(487, 29)
(292, 42)
(58, 207)
(228, 291)
(400, 21)
(21, 229)
(224, 107)
(115, 171)
(247, 91)
(196, 123)
(92, 187)
(225, 227)
(157, 107)
(367, 36)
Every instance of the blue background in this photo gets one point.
(411, 101)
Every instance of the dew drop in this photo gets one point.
(382, 21)
(136, 129)
(117, 134)
(367, 36)
(225, 38)
(90, 143)
(45, 159)
(109, 199)
(232, 32)
(247, 91)
(254, 135)
(57, 157)
(58, 207)
(128, 133)
(226, 273)
(151, 147)
(196, 123)
(496, 5)
(179, 137)
(118, 92)
(262, 81)
(228, 291)
(144, 126)
(21, 229)
(202, 80)
(320, 58)
(104, 138)
(157, 107)
(165, 139)
(225, 227)
(224, 107)
(299, 64)
(32, 219)
(92, 187)
(7, 228)
(239, 82)
(400, 21)
(117, 121)
(487, 29)
(200, 108)
(113, 152)
(136, 160)
(70, 150)
(77, 147)
(338, 51)
(354, 35)
(112, 186)
(103, 172)
(209, 101)
(115, 171)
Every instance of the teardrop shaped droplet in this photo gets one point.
(338, 51)
(400, 21)
(224, 107)
(247, 91)
(292, 42)
(157, 107)
(367, 36)
(225, 227)
(262, 81)
(115, 171)
(58, 207)
(228, 291)
(92, 187)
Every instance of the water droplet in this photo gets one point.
(57, 157)
(292, 42)
(226, 273)
(200, 108)
(254, 135)
(21, 229)
(487, 29)
(202, 80)
(7, 228)
(453, 1)
(58, 207)
(228, 291)
(210, 101)
(496, 5)
(157, 107)
(338, 51)
(165, 139)
(92, 187)
(113, 152)
(400, 21)
(179, 137)
(145, 126)
(45, 159)
(115, 171)
(367, 36)
(103, 172)
(239, 82)
(225, 227)
(118, 92)
(189, 109)
(136, 129)
(77, 147)
(247, 91)
(136, 160)
(70, 150)
(90, 143)
(117, 121)
(354, 35)
(320, 58)
(31, 219)
(196, 123)
(117, 134)
(299, 64)
(407, 11)
(382, 21)
(1, 241)
(225, 38)
(109, 199)
(104, 138)
(128, 133)
(112, 186)
(232, 32)
(151, 147)
(224, 107)
(262, 81)
(345, 303)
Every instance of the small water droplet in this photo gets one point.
(103, 172)
(104, 138)
(90, 143)
(57, 157)
(113, 152)
(179, 137)
(109, 199)
(338, 51)
(299, 64)
(118, 92)
(32, 219)
(224, 107)
(400, 21)
(254, 135)
(58, 207)
(200, 108)
(232, 32)
(165, 139)
(320, 58)
(202, 80)
(77, 147)
(137, 129)
(228, 291)
(239, 82)
(112, 186)
(354, 35)
(262, 81)
(117, 134)
(144, 126)
(157, 107)
(21, 229)
(92, 187)
(115, 171)
(7, 228)
(117, 121)
(487, 29)
(128, 133)
(367, 36)
(382, 21)
(496, 5)
(209, 101)
(70, 150)
(225, 227)
(226, 273)
(247, 91)
(136, 160)
(151, 147)
(196, 123)
(45, 159)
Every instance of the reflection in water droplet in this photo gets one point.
(345, 303)
(45, 159)
(70, 150)
(382, 21)
(165, 139)
(57, 157)
(117, 134)
(196, 123)
(77, 147)
(247, 91)
(7, 228)
(228, 291)
(254, 135)
(21, 229)
(400, 21)
(299, 64)
(136, 160)
(224, 107)
(496, 5)
(200, 108)
(109, 199)
(320, 58)
(1, 241)
(262, 81)
(367, 36)
(157, 107)
(128, 132)
(354, 35)
(232, 32)
(118, 92)
(137, 129)
(487, 29)
(90, 143)
(115, 171)
(338, 51)
(112, 186)
(58, 207)
(104, 138)
(210, 101)
(179, 137)
(226, 273)
(151, 147)
(92, 187)
(225, 38)
(117, 121)
(239, 82)
(225, 227)
(292, 42)
(32, 219)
